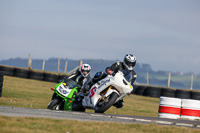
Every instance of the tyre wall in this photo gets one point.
(157, 91)
(32, 74)
(1, 82)
(142, 90)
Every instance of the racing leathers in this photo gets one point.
(79, 78)
(120, 66)
(113, 69)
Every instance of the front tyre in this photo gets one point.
(54, 104)
(101, 107)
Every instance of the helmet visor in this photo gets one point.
(85, 71)
(130, 64)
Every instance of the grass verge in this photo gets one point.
(45, 125)
(29, 93)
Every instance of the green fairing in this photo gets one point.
(56, 86)
(70, 94)
(69, 99)
(68, 105)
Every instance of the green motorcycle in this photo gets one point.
(64, 95)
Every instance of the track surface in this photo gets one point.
(27, 112)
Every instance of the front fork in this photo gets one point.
(64, 104)
(61, 100)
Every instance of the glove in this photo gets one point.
(109, 72)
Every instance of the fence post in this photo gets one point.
(29, 61)
(65, 70)
(147, 78)
(73, 70)
(78, 67)
(169, 78)
(80, 64)
(58, 65)
(43, 65)
(191, 82)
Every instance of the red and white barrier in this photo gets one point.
(169, 108)
(176, 108)
(190, 109)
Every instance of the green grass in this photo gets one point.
(28, 93)
(46, 125)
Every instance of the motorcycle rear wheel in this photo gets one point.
(102, 108)
(77, 106)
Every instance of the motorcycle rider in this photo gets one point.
(82, 75)
(128, 63)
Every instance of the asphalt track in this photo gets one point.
(84, 116)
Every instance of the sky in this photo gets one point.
(164, 34)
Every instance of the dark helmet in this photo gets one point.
(129, 61)
(85, 70)
(98, 75)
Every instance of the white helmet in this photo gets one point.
(85, 70)
(129, 61)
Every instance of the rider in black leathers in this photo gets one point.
(125, 65)
(128, 64)
(81, 76)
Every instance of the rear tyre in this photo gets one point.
(195, 95)
(7, 70)
(20, 72)
(183, 94)
(139, 90)
(1, 79)
(77, 105)
(101, 108)
(152, 91)
(50, 77)
(35, 75)
(53, 104)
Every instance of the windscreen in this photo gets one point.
(127, 75)
(70, 83)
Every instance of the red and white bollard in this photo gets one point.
(169, 108)
(190, 109)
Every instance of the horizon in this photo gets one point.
(138, 63)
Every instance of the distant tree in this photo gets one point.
(146, 67)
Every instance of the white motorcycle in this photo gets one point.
(105, 93)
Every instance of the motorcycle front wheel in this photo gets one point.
(54, 104)
(102, 106)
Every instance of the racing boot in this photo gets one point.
(119, 104)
